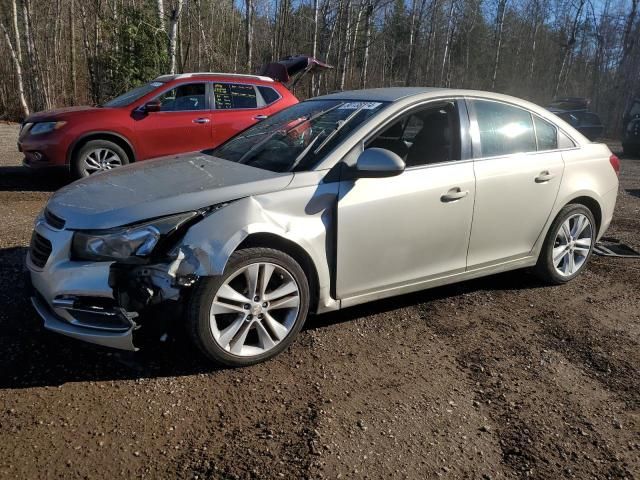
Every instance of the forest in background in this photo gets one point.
(72, 52)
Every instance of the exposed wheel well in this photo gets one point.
(592, 205)
(270, 240)
(121, 142)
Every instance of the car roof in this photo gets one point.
(390, 94)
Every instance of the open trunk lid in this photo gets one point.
(292, 68)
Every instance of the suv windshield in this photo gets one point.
(133, 95)
(296, 138)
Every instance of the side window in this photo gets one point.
(504, 129)
(564, 141)
(546, 134)
(234, 96)
(184, 98)
(423, 137)
(269, 95)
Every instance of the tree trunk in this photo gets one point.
(248, 39)
(314, 49)
(160, 14)
(173, 35)
(367, 42)
(18, 70)
(502, 8)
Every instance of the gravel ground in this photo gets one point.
(495, 378)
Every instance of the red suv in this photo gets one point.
(172, 114)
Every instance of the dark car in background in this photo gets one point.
(575, 111)
(631, 129)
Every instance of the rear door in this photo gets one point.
(237, 106)
(518, 172)
(183, 123)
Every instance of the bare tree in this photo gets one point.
(248, 39)
(176, 12)
(18, 70)
(502, 7)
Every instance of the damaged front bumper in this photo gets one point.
(79, 299)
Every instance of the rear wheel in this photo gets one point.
(252, 311)
(97, 156)
(568, 245)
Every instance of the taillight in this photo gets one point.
(615, 163)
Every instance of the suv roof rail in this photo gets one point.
(220, 74)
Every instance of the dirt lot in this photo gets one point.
(496, 378)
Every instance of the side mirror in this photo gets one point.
(153, 106)
(379, 162)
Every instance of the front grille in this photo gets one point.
(53, 220)
(40, 250)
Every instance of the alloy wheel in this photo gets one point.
(572, 244)
(100, 160)
(254, 309)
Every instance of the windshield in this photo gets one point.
(296, 138)
(133, 95)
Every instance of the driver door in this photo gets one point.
(413, 227)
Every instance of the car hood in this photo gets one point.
(59, 113)
(159, 187)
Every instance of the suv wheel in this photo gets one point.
(568, 245)
(98, 156)
(252, 311)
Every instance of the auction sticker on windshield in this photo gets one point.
(359, 105)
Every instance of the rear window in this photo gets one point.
(234, 96)
(269, 95)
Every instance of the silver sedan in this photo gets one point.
(336, 201)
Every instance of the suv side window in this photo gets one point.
(269, 95)
(182, 98)
(234, 96)
(504, 129)
(546, 134)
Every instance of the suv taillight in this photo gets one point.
(615, 163)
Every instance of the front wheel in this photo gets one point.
(252, 311)
(97, 156)
(568, 245)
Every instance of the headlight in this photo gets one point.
(45, 127)
(126, 243)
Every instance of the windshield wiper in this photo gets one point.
(304, 152)
(337, 129)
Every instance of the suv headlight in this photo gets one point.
(45, 127)
(126, 243)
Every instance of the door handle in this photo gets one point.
(544, 176)
(453, 195)
(261, 117)
(201, 120)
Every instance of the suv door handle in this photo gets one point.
(544, 176)
(201, 120)
(454, 194)
(261, 117)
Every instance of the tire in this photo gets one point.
(568, 248)
(218, 318)
(629, 151)
(97, 156)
